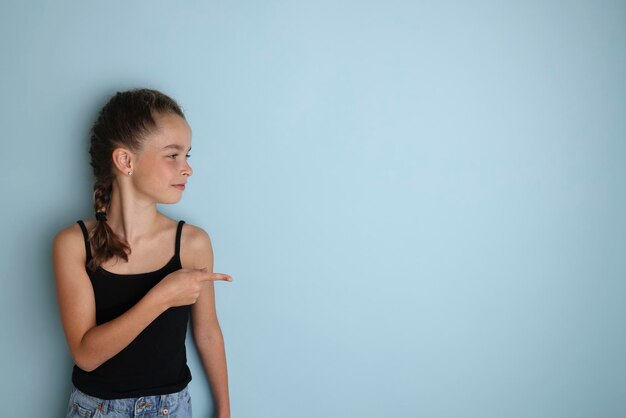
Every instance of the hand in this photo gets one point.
(183, 286)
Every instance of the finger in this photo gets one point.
(220, 276)
(216, 276)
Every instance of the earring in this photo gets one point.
(130, 172)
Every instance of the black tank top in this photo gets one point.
(154, 363)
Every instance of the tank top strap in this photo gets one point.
(179, 231)
(86, 236)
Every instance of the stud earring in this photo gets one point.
(130, 172)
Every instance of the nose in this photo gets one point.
(187, 169)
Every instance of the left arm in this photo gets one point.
(206, 330)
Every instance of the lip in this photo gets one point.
(179, 186)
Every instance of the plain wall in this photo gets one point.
(421, 203)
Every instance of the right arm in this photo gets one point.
(90, 344)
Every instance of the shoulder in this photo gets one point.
(70, 241)
(70, 235)
(196, 248)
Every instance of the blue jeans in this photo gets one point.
(174, 405)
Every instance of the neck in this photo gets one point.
(131, 215)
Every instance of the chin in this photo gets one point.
(170, 200)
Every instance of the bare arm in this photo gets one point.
(207, 333)
(92, 345)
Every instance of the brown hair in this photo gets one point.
(125, 121)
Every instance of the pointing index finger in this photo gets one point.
(216, 276)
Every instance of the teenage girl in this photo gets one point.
(128, 281)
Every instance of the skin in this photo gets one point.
(133, 216)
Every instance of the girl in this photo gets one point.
(124, 299)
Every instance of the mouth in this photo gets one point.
(179, 186)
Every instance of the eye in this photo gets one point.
(173, 156)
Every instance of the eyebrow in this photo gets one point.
(175, 146)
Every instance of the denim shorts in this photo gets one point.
(174, 405)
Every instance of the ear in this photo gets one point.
(123, 159)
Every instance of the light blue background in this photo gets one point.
(421, 203)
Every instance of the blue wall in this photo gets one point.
(421, 203)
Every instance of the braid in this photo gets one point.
(102, 194)
(105, 243)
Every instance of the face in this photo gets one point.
(162, 164)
